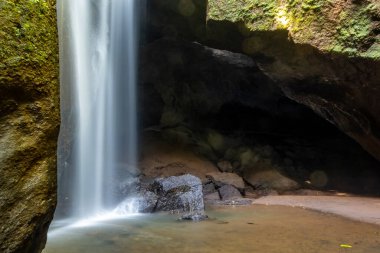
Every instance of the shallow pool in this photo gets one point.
(264, 229)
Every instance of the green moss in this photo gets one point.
(258, 14)
(354, 29)
(331, 26)
(29, 42)
(267, 15)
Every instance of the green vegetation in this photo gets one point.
(261, 14)
(331, 26)
(354, 30)
(28, 32)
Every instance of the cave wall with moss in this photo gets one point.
(29, 122)
(347, 27)
(322, 54)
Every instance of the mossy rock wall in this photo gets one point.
(347, 27)
(29, 122)
(323, 54)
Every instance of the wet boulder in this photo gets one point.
(180, 193)
(228, 192)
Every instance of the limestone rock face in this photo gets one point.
(324, 54)
(29, 123)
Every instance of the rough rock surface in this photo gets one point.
(323, 54)
(225, 178)
(227, 192)
(223, 111)
(271, 179)
(29, 123)
(183, 193)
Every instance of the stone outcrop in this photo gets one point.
(29, 123)
(182, 194)
(323, 54)
(223, 107)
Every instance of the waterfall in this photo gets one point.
(98, 138)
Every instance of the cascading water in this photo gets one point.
(98, 139)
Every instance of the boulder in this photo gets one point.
(270, 179)
(228, 192)
(221, 179)
(182, 193)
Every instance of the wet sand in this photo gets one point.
(355, 208)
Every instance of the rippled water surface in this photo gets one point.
(264, 229)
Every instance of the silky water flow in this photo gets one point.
(98, 139)
(97, 156)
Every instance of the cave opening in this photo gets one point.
(225, 108)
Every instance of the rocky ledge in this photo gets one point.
(322, 54)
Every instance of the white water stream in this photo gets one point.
(98, 140)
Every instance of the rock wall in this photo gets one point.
(29, 123)
(323, 54)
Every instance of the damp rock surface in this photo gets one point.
(182, 193)
(271, 179)
(227, 192)
(221, 179)
(29, 123)
(322, 54)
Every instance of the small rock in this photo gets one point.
(271, 179)
(220, 179)
(227, 192)
(194, 217)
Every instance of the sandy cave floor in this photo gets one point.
(356, 208)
